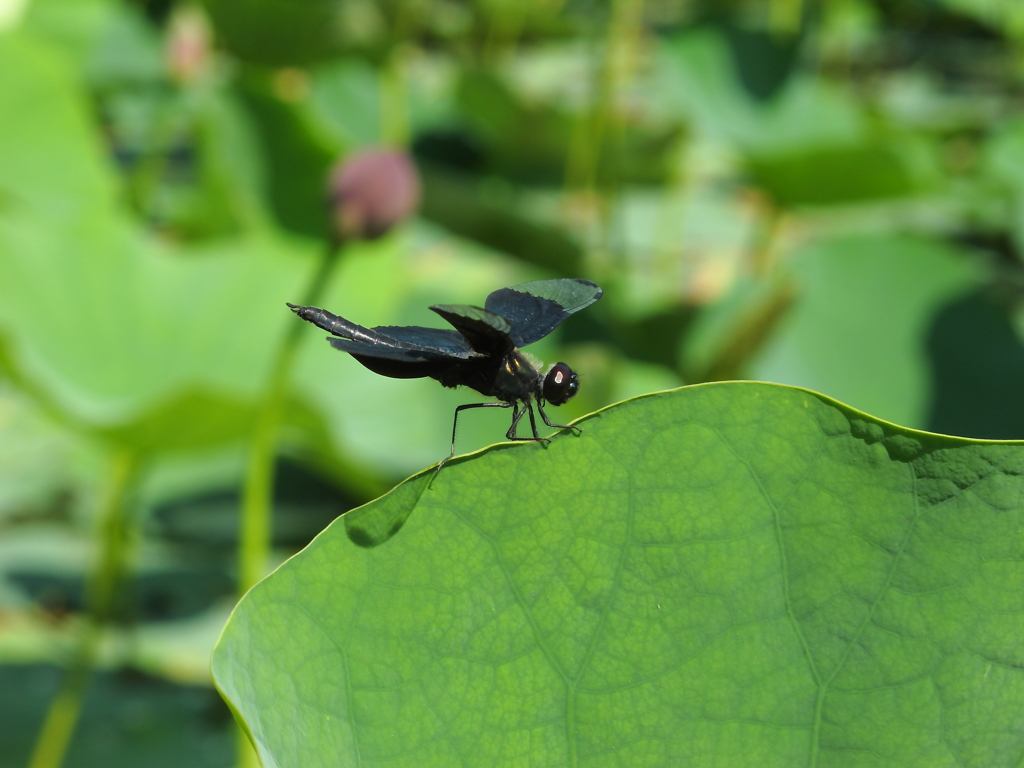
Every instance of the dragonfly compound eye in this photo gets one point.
(561, 384)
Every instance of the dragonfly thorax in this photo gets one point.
(518, 378)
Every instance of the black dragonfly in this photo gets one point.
(481, 353)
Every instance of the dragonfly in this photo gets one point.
(482, 352)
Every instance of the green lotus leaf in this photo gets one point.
(737, 574)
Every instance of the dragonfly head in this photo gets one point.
(560, 384)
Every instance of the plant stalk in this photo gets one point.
(115, 536)
(256, 524)
(257, 495)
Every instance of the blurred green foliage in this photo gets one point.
(827, 193)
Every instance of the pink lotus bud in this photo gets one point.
(371, 191)
(189, 44)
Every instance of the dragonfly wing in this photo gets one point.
(427, 340)
(375, 342)
(486, 332)
(536, 308)
(389, 352)
(393, 359)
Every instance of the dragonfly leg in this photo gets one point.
(540, 407)
(455, 425)
(533, 421)
(517, 414)
(511, 434)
